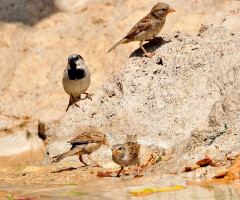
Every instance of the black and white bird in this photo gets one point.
(76, 79)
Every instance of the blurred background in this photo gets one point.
(36, 38)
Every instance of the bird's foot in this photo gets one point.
(149, 55)
(138, 175)
(75, 104)
(97, 165)
(89, 96)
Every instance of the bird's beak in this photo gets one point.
(105, 143)
(170, 10)
(115, 151)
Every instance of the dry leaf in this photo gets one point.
(204, 162)
(187, 169)
(221, 175)
(151, 161)
(234, 171)
(106, 174)
(207, 161)
(232, 157)
(232, 174)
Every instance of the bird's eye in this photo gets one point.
(164, 9)
(120, 148)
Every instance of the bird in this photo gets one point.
(76, 79)
(85, 143)
(148, 27)
(126, 154)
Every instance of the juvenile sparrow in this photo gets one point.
(148, 27)
(76, 79)
(85, 143)
(126, 154)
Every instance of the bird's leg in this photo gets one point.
(118, 175)
(88, 95)
(81, 160)
(149, 55)
(79, 98)
(90, 158)
(74, 101)
(70, 103)
(138, 168)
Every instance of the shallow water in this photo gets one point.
(118, 188)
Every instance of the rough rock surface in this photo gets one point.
(20, 143)
(183, 103)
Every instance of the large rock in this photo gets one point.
(20, 142)
(182, 103)
(37, 36)
(34, 57)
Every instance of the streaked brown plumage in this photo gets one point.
(126, 154)
(85, 143)
(148, 27)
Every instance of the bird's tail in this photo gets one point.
(132, 138)
(62, 156)
(114, 46)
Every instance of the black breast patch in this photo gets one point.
(76, 74)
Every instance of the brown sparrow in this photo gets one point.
(76, 79)
(126, 154)
(148, 27)
(85, 143)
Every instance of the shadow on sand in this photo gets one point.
(64, 170)
(28, 12)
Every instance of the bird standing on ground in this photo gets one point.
(126, 154)
(148, 27)
(76, 79)
(85, 143)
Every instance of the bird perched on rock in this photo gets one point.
(126, 154)
(85, 143)
(76, 79)
(148, 27)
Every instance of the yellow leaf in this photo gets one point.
(157, 189)
(72, 184)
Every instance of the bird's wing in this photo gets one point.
(143, 25)
(133, 149)
(132, 138)
(88, 137)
